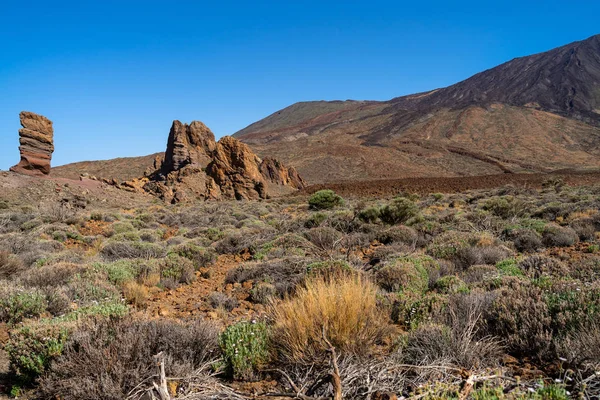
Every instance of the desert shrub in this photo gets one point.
(245, 348)
(551, 211)
(135, 293)
(315, 219)
(238, 241)
(369, 215)
(51, 275)
(345, 308)
(263, 293)
(200, 256)
(324, 237)
(10, 265)
(57, 300)
(456, 339)
(558, 236)
(448, 244)
(18, 304)
(32, 347)
(526, 240)
(450, 284)
(584, 228)
(121, 227)
(129, 236)
(581, 347)
(506, 207)
(400, 210)
(118, 272)
(509, 267)
(479, 273)
(572, 305)
(284, 274)
(177, 268)
(325, 199)
(114, 250)
(398, 234)
(520, 315)
(403, 274)
(410, 309)
(221, 300)
(149, 236)
(458, 345)
(92, 287)
(467, 248)
(328, 269)
(112, 357)
(537, 266)
(475, 255)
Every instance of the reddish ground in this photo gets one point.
(391, 187)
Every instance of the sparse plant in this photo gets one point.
(245, 348)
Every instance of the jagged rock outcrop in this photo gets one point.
(190, 144)
(36, 140)
(279, 174)
(195, 166)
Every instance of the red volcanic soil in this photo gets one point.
(392, 187)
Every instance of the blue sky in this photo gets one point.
(112, 75)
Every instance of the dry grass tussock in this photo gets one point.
(344, 306)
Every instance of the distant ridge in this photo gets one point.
(534, 113)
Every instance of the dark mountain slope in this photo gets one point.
(534, 113)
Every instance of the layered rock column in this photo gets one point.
(36, 140)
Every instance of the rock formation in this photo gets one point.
(36, 144)
(188, 145)
(197, 167)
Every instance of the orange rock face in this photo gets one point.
(36, 140)
(197, 167)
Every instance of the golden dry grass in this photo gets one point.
(345, 307)
(136, 294)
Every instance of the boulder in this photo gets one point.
(36, 138)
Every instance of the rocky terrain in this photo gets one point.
(194, 167)
(490, 293)
(531, 114)
(37, 144)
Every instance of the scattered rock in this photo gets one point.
(36, 140)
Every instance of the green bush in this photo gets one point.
(325, 199)
(122, 227)
(509, 267)
(200, 256)
(32, 348)
(451, 284)
(398, 211)
(119, 272)
(411, 309)
(245, 348)
(370, 215)
(404, 274)
(22, 304)
(177, 269)
(506, 207)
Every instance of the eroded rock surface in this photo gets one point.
(36, 138)
(195, 166)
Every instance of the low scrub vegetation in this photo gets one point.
(489, 294)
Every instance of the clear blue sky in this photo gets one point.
(112, 75)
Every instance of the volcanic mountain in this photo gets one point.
(532, 114)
